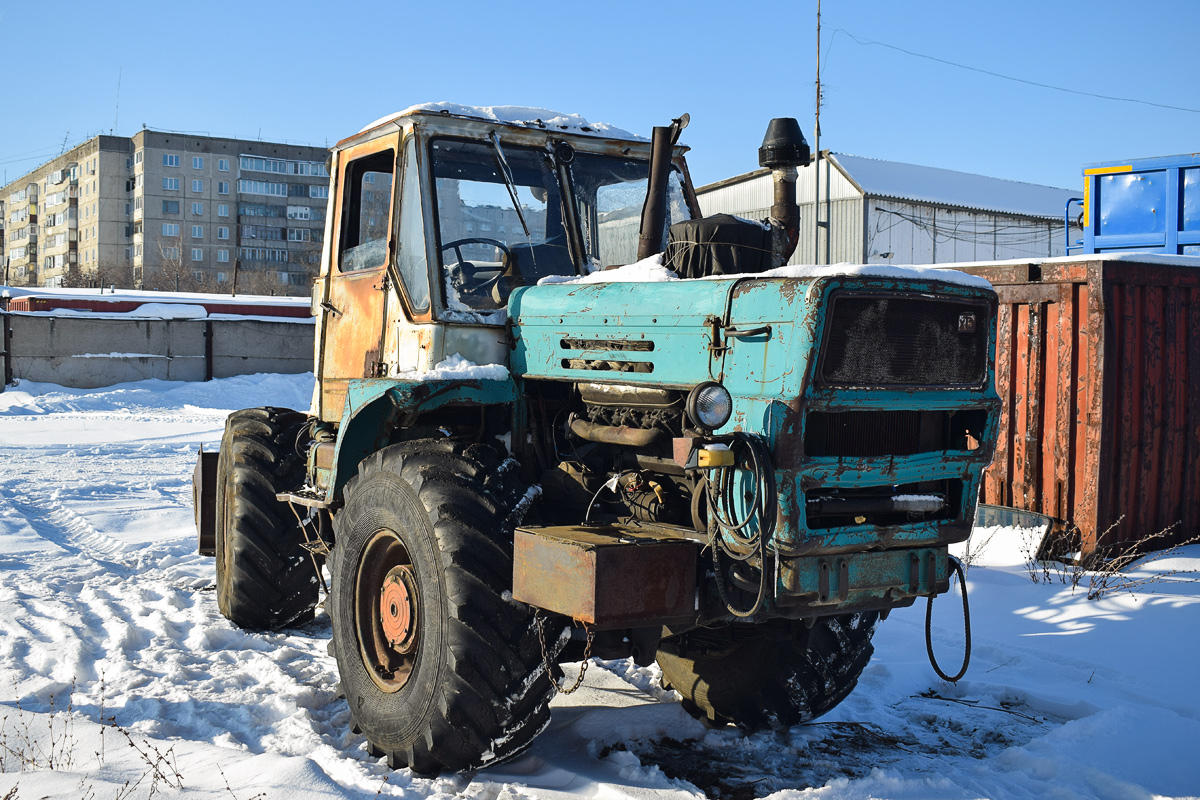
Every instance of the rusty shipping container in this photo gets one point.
(1098, 371)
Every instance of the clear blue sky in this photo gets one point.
(313, 72)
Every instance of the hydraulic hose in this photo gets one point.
(962, 582)
(723, 520)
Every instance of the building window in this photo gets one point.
(262, 232)
(170, 206)
(298, 235)
(197, 209)
(222, 233)
(318, 192)
(263, 187)
(197, 231)
(222, 257)
(170, 160)
(171, 184)
(222, 187)
(222, 210)
(263, 254)
(170, 253)
(197, 162)
(137, 203)
(299, 212)
(128, 208)
(137, 157)
(223, 164)
(263, 164)
(170, 229)
(197, 254)
(197, 186)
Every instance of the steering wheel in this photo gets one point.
(466, 280)
(458, 244)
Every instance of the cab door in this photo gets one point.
(355, 316)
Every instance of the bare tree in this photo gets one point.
(172, 274)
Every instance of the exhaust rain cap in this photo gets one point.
(784, 145)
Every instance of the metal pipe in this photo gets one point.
(783, 150)
(610, 434)
(654, 210)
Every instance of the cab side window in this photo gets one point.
(410, 240)
(366, 209)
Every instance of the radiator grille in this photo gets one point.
(866, 434)
(900, 340)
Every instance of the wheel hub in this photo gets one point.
(387, 598)
(397, 608)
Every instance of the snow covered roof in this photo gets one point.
(527, 116)
(880, 178)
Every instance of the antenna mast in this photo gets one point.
(117, 108)
(817, 148)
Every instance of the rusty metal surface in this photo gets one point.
(606, 576)
(610, 434)
(204, 501)
(354, 305)
(1098, 369)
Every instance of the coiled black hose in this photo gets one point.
(962, 582)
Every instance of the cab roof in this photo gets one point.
(529, 118)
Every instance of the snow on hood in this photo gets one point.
(527, 116)
(929, 273)
(648, 270)
(651, 270)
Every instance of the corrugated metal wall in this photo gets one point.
(916, 233)
(757, 192)
(897, 231)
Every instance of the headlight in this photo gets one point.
(709, 405)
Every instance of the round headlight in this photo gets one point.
(709, 405)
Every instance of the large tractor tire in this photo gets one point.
(442, 669)
(265, 578)
(770, 678)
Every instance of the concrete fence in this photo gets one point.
(85, 352)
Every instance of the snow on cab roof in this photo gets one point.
(526, 116)
(880, 178)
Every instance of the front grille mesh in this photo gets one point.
(897, 340)
(868, 434)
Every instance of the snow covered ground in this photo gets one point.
(107, 613)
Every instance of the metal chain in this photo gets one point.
(540, 622)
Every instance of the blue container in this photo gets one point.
(1146, 205)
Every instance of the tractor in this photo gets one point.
(559, 414)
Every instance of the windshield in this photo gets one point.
(484, 250)
(610, 193)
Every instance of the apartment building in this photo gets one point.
(159, 208)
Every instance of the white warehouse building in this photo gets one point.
(885, 212)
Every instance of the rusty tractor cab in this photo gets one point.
(509, 464)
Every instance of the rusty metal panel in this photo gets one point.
(606, 576)
(204, 501)
(1098, 371)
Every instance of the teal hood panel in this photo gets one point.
(633, 333)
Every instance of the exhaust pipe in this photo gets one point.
(654, 210)
(783, 150)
